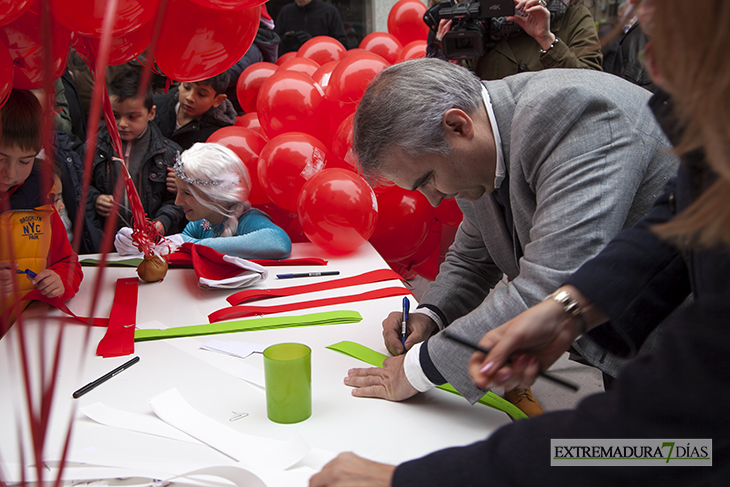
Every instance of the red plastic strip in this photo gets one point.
(243, 311)
(365, 278)
(119, 338)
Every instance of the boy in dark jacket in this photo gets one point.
(147, 155)
(192, 111)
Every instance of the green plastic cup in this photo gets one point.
(288, 372)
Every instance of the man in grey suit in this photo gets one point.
(547, 168)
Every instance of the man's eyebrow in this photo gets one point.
(422, 180)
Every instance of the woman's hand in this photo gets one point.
(350, 470)
(530, 342)
(534, 18)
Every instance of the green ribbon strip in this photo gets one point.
(112, 263)
(269, 323)
(376, 359)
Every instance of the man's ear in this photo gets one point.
(457, 122)
(219, 99)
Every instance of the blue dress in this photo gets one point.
(257, 237)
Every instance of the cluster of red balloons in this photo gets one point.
(305, 174)
(296, 135)
(196, 39)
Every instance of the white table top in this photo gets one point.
(376, 429)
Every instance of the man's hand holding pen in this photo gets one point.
(420, 327)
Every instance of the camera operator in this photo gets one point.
(542, 34)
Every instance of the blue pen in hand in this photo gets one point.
(28, 272)
(406, 307)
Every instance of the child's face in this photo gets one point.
(192, 208)
(57, 192)
(197, 98)
(15, 166)
(131, 115)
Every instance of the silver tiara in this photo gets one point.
(180, 172)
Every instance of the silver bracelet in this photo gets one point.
(545, 51)
(570, 306)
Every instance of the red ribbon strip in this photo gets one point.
(190, 254)
(119, 337)
(243, 311)
(365, 278)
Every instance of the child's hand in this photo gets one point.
(7, 276)
(104, 204)
(48, 283)
(170, 181)
(159, 226)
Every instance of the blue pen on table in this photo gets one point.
(308, 274)
(406, 307)
(27, 272)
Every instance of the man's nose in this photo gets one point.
(432, 195)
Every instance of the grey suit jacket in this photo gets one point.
(585, 159)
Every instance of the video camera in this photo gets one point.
(467, 38)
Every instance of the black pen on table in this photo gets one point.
(308, 274)
(474, 346)
(104, 378)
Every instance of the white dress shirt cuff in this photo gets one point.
(414, 372)
(430, 314)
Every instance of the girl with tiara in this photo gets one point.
(212, 188)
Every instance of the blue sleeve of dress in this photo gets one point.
(258, 238)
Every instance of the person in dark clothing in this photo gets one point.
(70, 166)
(301, 20)
(191, 112)
(265, 48)
(147, 155)
(645, 273)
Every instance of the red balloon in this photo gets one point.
(87, 16)
(348, 83)
(322, 75)
(412, 50)
(12, 9)
(300, 65)
(337, 210)
(250, 121)
(405, 219)
(229, 4)
(286, 163)
(357, 50)
(426, 249)
(291, 102)
(430, 268)
(285, 57)
(23, 39)
(342, 155)
(322, 50)
(249, 83)
(247, 144)
(198, 43)
(382, 44)
(449, 213)
(6, 73)
(124, 47)
(405, 21)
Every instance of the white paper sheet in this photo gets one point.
(151, 425)
(237, 349)
(251, 451)
(232, 365)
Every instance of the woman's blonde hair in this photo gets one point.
(691, 42)
(217, 179)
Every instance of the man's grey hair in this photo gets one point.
(403, 108)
